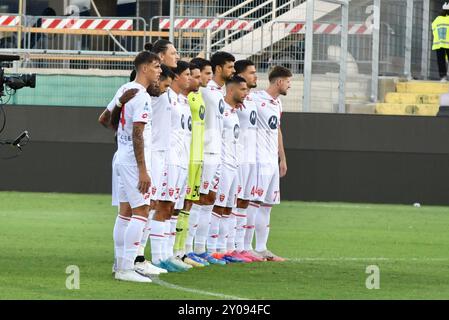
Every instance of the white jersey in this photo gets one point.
(180, 131)
(248, 130)
(269, 112)
(213, 96)
(117, 96)
(161, 113)
(230, 138)
(138, 109)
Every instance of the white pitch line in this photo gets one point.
(196, 291)
(367, 259)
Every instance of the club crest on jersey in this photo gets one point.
(153, 190)
(202, 111)
(221, 106)
(259, 192)
(171, 191)
(188, 190)
(222, 197)
(182, 121)
(253, 117)
(273, 122)
(205, 184)
(189, 124)
(236, 131)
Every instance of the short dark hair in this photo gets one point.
(220, 58)
(166, 73)
(241, 65)
(145, 57)
(235, 80)
(160, 46)
(181, 67)
(279, 72)
(201, 63)
(193, 66)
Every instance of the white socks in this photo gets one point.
(133, 235)
(171, 240)
(157, 239)
(146, 234)
(223, 233)
(251, 214)
(202, 230)
(193, 224)
(232, 221)
(165, 244)
(262, 228)
(241, 220)
(121, 223)
(213, 232)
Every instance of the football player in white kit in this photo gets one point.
(228, 184)
(121, 98)
(271, 160)
(134, 158)
(213, 96)
(247, 114)
(174, 170)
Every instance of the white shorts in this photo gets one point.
(210, 174)
(115, 181)
(267, 190)
(174, 184)
(128, 182)
(248, 181)
(228, 186)
(158, 173)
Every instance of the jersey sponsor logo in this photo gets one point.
(221, 106)
(263, 104)
(273, 122)
(222, 197)
(145, 115)
(202, 111)
(236, 131)
(182, 121)
(189, 124)
(253, 117)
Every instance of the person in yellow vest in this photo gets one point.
(440, 29)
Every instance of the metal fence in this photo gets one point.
(384, 37)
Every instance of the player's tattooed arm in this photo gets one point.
(115, 118)
(139, 153)
(282, 157)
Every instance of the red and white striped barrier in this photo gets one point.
(208, 24)
(87, 24)
(328, 28)
(9, 21)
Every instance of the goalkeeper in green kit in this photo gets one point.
(201, 73)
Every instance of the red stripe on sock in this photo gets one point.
(157, 235)
(239, 215)
(252, 204)
(139, 218)
(124, 218)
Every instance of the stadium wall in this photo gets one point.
(331, 157)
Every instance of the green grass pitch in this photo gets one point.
(330, 245)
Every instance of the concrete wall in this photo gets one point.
(331, 157)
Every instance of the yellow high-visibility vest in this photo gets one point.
(440, 28)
